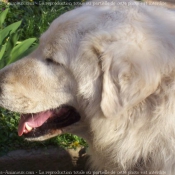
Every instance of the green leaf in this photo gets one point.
(2, 51)
(3, 16)
(11, 44)
(19, 50)
(6, 49)
(14, 38)
(28, 51)
(9, 29)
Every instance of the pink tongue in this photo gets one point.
(33, 121)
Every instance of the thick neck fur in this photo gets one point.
(138, 142)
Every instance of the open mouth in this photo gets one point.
(47, 122)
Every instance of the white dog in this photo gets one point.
(107, 74)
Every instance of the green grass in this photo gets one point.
(35, 18)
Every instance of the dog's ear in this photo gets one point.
(130, 75)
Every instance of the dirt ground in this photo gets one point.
(43, 160)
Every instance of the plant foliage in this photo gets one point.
(10, 48)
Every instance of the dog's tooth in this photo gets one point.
(28, 127)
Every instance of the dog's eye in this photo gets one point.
(49, 60)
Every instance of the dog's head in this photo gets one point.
(90, 61)
(44, 86)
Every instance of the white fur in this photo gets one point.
(116, 66)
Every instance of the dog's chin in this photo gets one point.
(46, 124)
